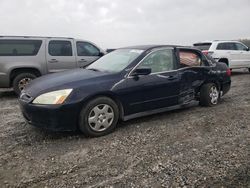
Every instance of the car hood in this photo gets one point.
(62, 80)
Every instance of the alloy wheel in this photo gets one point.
(214, 95)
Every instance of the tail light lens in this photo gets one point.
(205, 52)
(229, 72)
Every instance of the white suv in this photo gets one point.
(235, 54)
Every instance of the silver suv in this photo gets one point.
(25, 58)
(235, 54)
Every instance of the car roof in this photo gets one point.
(217, 41)
(148, 47)
(31, 37)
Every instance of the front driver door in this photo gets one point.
(160, 88)
(87, 53)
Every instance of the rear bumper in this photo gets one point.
(226, 87)
(4, 80)
(54, 118)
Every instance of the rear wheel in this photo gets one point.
(21, 81)
(99, 117)
(209, 95)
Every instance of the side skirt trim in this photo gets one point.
(160, 110)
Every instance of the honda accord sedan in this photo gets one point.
(124, 84)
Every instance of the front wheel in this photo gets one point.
(209, 95)
(99, 117)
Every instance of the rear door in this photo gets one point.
(157, 90)
(193, 70)
(60, 55)
(87, 53)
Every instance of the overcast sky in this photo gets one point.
(118, 23)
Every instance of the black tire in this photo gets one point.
(87, 128)
(19, 78)
(248, 69)
(205, 95)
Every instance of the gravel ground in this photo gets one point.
(193, 147)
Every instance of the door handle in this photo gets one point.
(53, 61)
(83, 60)
(172, 77)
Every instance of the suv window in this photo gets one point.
(159, 61)
(240, 47)
(19, 47)
(60, 48)
(226, 46)
(190, 59)
(87, 49)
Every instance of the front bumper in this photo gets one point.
(4, 80)
(51, 117)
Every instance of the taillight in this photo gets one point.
(205, 52)
(229, 72)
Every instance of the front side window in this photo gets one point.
(116, 61)
(87, 49)
(226, 46)
(240, 47)
(60, 48)
(159, 61)
(19, 47)
(189, 59)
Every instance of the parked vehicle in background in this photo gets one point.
(124, 84)
(233, 53)
(23, 58)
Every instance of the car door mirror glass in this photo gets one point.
(141, 71)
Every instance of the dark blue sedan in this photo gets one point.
(124, 84)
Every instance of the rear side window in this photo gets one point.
(19, 47)
(203, 46)
(87, 49)
(226, 46)
(60, 48)
(190, 59)
(240, 47)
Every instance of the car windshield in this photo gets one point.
(115, 61)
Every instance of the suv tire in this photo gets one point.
(99, 117)
(21, 80)
(209, 95)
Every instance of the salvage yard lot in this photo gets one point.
(196, 146)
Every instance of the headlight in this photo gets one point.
(54, 97)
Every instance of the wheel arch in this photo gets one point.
(14, 72)
(224, 60)
(110, 95)
(217, 83)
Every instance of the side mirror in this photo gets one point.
(101, 54)
(141, 71)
